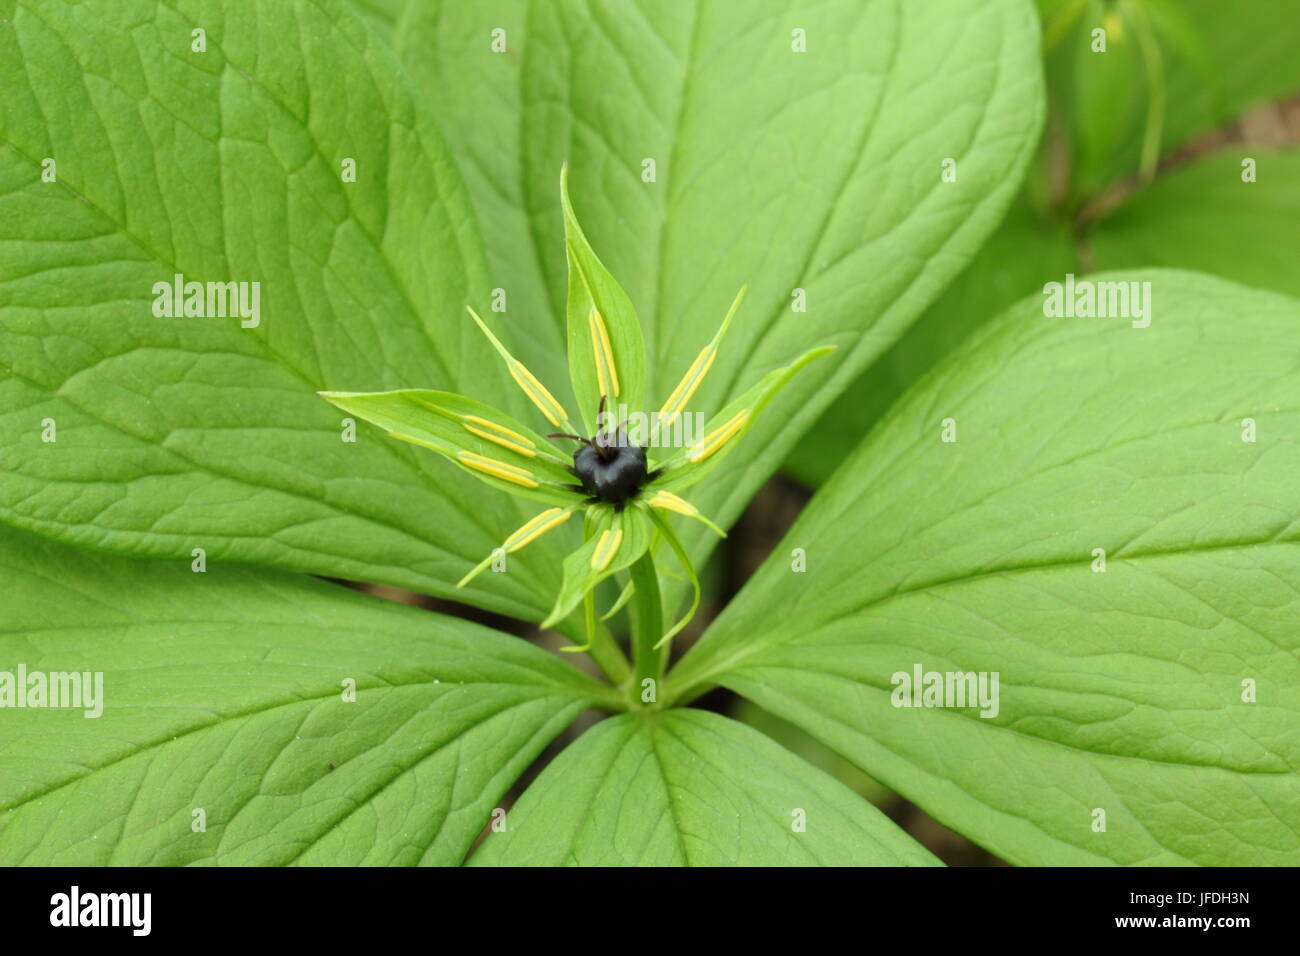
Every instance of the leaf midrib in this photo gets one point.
(1036, 738)
(730, 662)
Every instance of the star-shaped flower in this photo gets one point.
(625, 474)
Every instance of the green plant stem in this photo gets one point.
(647, 627)
(608, 656)
(688, 685)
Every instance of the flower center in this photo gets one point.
(613, 472)
(609, 466)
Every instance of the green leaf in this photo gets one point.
(227, 166)
(476, 94)
(1018, 259)
(455, 426)
(606, 353)
(223, 692)
(1205, 217)
(615, 541)
(820, 173)
(1120, 691)
(807, 748)
(382, 15)
(687, 787)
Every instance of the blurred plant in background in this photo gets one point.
(1140, 165)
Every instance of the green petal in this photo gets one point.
(524, 535)
(676, 403)
(615, 541)
(661, 522)
(667, 501)
(724, 430)
(487, 443)
(606, 352)
(528, 383)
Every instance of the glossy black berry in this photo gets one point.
(611, 473)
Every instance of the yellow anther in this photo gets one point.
(1114, 27)
(497, 469)
(685, 389)
(499, 434)
(526, 380)
(537, 394)
(711, 442)
(687, 386)
(606, 548)
(536, 527)
(606, 371)
(670, 502)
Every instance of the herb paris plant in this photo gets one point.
(256, 715)
(613, 481)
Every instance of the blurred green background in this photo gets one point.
(1139, 165)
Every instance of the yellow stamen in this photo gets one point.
(604, 355)
(670, 502)
(687, 386)
(718, 437)
(537, 394)
(535, 390)
(533, 529)
(685, 389)
(606, 548)
(1114, 27)
(485, 423)
(497, 469)
(536, 527)
(503, 436)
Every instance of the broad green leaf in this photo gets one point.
(223, 692)
(228, 165)
(606, 352)
(816, 179)
(382, 15)
(808, 748)
(687, 787)
(485, 442)
(476, 93)
(1024, 253)
(1172, 448)
(1205, 217)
